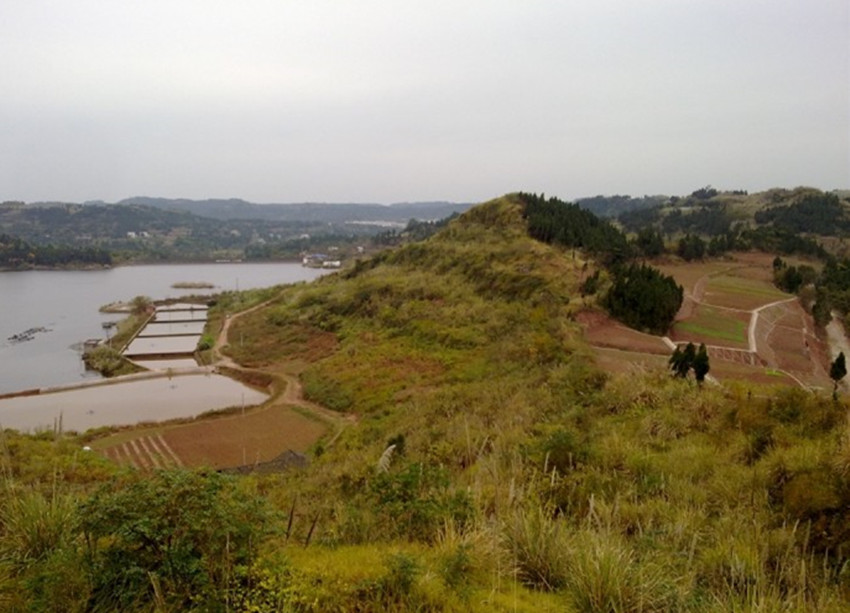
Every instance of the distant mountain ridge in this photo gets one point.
(235, 208)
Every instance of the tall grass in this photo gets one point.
(34, 525)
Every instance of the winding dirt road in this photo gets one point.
(293, 393)
(695, 298)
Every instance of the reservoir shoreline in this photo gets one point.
(66, 303)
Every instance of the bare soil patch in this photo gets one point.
(621, 361)
(602, 331)
(238, 440)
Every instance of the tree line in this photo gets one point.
(640, 296)
(17, 253)
(820, 292)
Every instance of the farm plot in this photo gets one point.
(736, 289)
(228, 441)
(602, 331)
(722, 298)
(713, 326)
(239, 440)
(783, 336)
(688, 274)
(149, 451)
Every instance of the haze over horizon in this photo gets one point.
(364, 102)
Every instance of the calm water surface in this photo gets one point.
(66, 303)
(126, 403)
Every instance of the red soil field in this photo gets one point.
(237, 440)
(602, 331)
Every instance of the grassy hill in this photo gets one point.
(463, 347)
(709, 212)
(489, 465)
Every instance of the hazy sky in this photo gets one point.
(381, 101)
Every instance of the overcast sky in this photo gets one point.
(380, 101)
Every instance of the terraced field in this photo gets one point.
(714, 326)
(144, 452)
(752, 330)
(287, 422)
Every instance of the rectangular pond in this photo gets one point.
(165, 316)
(157, 328)
(127, 403)
(161, 345)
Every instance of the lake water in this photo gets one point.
(66, 303)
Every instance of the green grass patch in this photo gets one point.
(739, 285)
(712, 323)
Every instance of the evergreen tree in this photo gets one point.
(644, 298)
(820, 310)
(701, 365)
(691, 247)
(650, 242)
(837, 371)
(682, 360)
(690, 355)
(677, 363)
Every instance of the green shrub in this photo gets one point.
(413, 502)
(326, 391)
(207, 342)
(176, 536)
(108, 361)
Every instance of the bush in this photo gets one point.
(176, 536)
(415, 501)
(108, 361)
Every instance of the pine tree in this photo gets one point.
(675, 362)
(682, 361)
(701, 365)
(837, 371)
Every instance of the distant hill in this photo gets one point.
(160, 229)
(306, 211)
(710, 212)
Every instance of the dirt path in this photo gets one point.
(754, 319)
(293, 393)
(221, 340)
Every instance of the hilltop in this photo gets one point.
(487, 463)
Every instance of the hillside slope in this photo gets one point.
(484, 424)
(490, 467)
